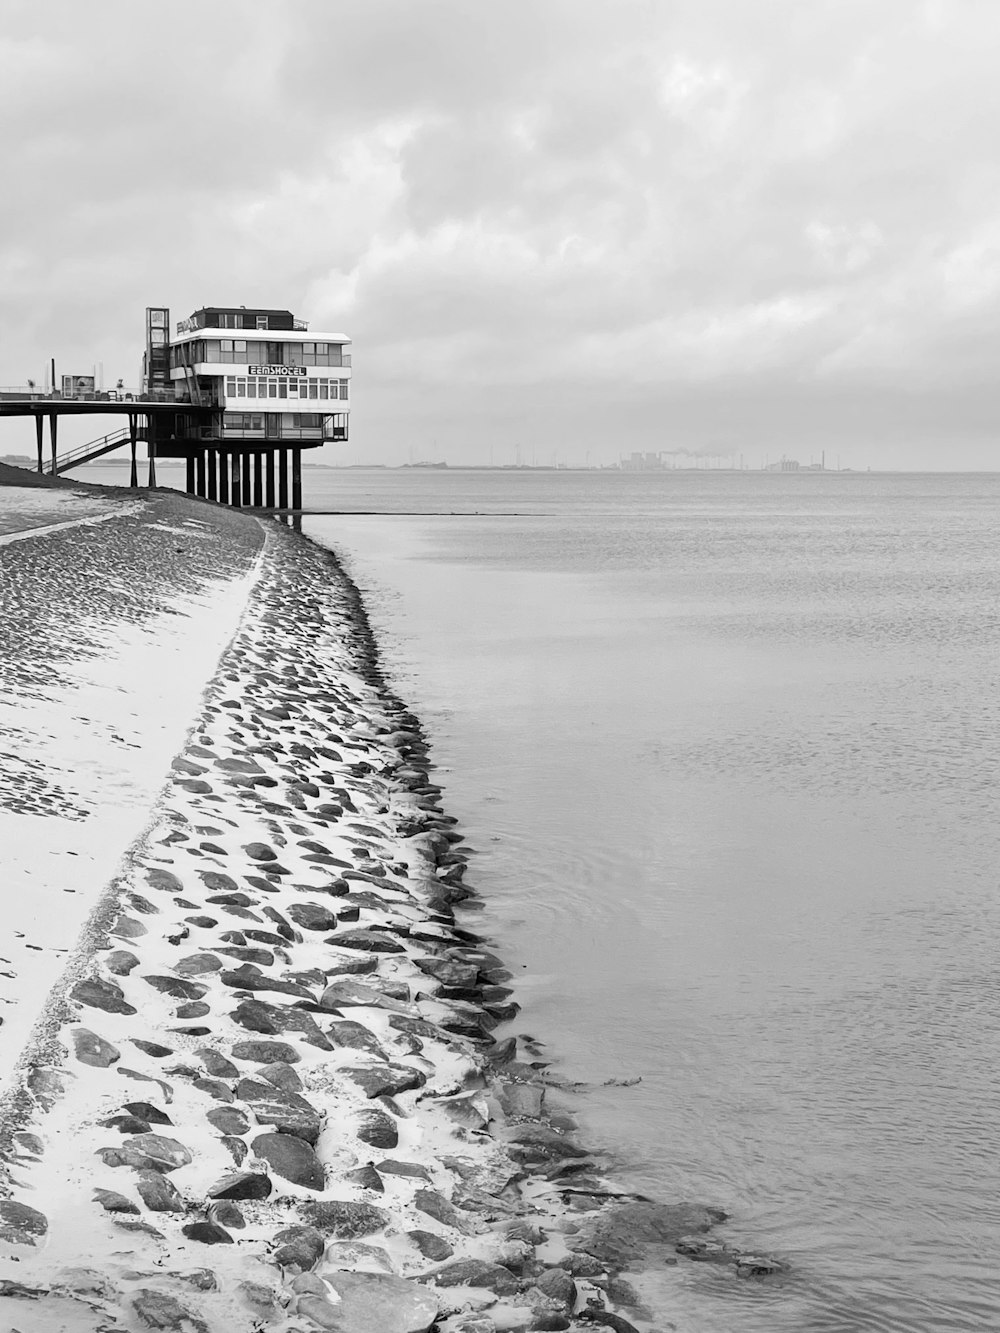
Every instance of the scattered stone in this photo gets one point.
(193, 1009)
(281, 1075)
(265, 1052)
(215, 1088)
(177, 987)
(250, 978)
(347, 1033)
(20, 1224)
(90, 1049)
(217, 1065)
(370, 941)
(370, 1301)
(147, 1111)
(127, 928)
(158, 1153)
(236, 1148)
(476, 1273)
(366, 1177)
(287, 1111)
(259, 851)
(159, 1310)
(377, 1129)
(310, 916)
(620, 1232)
(100, 994)
(386, 1080)
(113, 1202)
(432, 1247)
(291, 1158)
(196, 964)
(164, 880)
(152, 1048)
(203, 922)
(226, 1214)
(299, 1247)
(121, 962)
(559, 1285)
(228, 1120)
(437, 1206)
(345, 1219)
(158, 1193)
(242, 1185)
(209, 1233)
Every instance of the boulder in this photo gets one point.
(291, 1158)
(377, 1129)
(621, 1232)
(158, 1194)
(242, 1185)
(369, 941)
(287, 1111)
(432, 1247)
(90, 1049)
(113, 1202)
(370, 1301)
(385, 1080)
(345, 1219)
(215, 1064)
(157, 1153)
(476, 1273)
(311, 916)
(265, 1052)
(298, 1247)
(101, 994)
(20, 1224)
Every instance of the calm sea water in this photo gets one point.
(728, 747)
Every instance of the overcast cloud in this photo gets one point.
(563, 226)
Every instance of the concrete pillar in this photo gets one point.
(235, 491)
(199, 473)
(269, 479)
(223, 477)
(282, 478)
(39, 431)
(53, 436)
(151, 451)
(247, 481)
(296, 478)
(258, 480)
(133, 435)
(212, 467)
(189, 474)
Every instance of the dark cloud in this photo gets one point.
(585, 222)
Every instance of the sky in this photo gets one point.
(556, 230)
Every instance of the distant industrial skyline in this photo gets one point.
(580, 227)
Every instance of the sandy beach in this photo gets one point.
(256, 1073)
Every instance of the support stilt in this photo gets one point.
(133, 435)
(235, 493)
(296, 479)
(258, 481)
(39, 430)
(247, 483)
(282, 478)
(199, 474)
(223, 477)
(189, 474)
(151, 451)
(213, 474)
(53, 435)
(269, 479)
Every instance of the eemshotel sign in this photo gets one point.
(297, 371)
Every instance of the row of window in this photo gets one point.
(257, 386)
(255, 420)
(240, 351)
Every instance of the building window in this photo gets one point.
(262, 321)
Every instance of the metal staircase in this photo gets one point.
(84, 453)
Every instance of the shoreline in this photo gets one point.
(319, 753)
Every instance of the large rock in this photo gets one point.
(176, 986)
(370, 1301)
(90, 1049)
(370, 941)
(357, 1037)
(345, 1219)
(101, 994)
(621, 1232)
(228, 1120)
(448, 972)
(250, 978)
(299, 1247)
(377, 1129)
(265, 1052)
(311, 916)
(20, 1224)
(242, 1185)
(157, 1152)
(476, 1273)
(346, 993)
(287, 1111)
(158, 1194)
(291, 1158)
(385, 1080)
